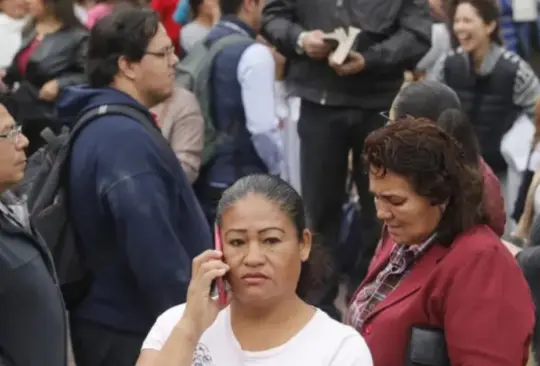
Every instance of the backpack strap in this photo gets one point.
(202, 89)
(118, 109)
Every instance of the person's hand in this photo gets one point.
(512, 248)
(49, 91)
(354, 64)
(201, 308)
(315, 46)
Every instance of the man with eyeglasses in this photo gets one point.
(132, 206)
(32, 314)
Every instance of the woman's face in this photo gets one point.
(409, 217)
(36, 8)
(470, 29)
(14, 9)
(261, 245)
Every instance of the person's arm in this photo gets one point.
(488, 312)
(436, 73)
(526, 89)
(256, 74)
(174, 338)
(440, 45)
(280, 27)
(169, 340)
(76, 78)
(187, 133)
(11, 75)
(145, 222)
(408, 44)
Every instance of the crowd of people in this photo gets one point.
(200, 182)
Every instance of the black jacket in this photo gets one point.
(395, 36)
(33, 331)
(488, 101)
(60, 55)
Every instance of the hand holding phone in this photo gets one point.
(220, 282)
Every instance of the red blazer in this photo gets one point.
(474, 290)
(493, 199)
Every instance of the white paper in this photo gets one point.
(524, 10)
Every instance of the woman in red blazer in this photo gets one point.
(438, 264)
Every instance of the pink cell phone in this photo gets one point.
(220, 282)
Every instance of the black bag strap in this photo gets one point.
(117, 109)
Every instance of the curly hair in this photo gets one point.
(435, 165)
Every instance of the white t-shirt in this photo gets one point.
(322, 342)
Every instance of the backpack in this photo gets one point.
(193, 73)
(45, 186)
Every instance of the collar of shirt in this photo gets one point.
(404, 256)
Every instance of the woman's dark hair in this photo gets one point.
(125, 33)
(64, 12)
(488, 10)
(435, 166)
(425, 99)
(316, 269)
(454, 123)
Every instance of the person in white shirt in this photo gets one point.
(12, 21)
(269, 263)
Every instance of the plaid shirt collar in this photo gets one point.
(402, 258)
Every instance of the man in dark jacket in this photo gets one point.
(32, 314)
(341, 103)
(133, 208)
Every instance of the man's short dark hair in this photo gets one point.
(123, 33)
(231, 7)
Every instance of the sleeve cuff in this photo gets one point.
(294, 32)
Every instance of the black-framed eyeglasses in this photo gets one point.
(169, 52)
(12, 135)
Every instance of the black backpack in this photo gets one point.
(46, 189)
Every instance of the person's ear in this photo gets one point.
(305, 245)
(126, 67)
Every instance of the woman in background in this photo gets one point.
(495, 86)
(205, 14)
(51, 57)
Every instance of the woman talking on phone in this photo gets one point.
(266, 260)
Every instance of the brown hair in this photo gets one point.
(488, 10)
(435, 165)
